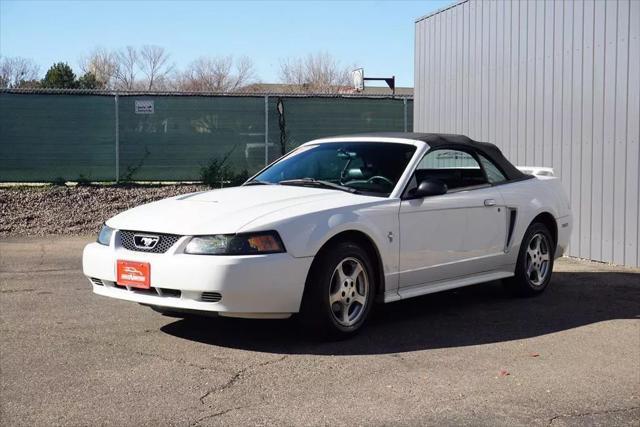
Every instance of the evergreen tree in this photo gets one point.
(89, 81)
(60, 76)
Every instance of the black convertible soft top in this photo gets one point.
(437, 140)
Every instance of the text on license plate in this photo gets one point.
(134, 274)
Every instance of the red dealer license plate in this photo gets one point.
(134, 274)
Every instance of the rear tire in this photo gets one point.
(339, 293)
(535, 262)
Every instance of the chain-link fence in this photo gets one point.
(103, 136)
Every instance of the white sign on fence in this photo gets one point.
(144, 107)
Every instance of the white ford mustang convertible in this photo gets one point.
(335, 226)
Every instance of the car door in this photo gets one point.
(459, 233)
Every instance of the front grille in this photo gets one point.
(210, 297)
(164, 243)
(161, 292)
(169, 292)
(150, 291)
(95, 281)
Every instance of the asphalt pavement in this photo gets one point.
(474, 356)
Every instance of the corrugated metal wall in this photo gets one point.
(552, 83)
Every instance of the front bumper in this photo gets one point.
(255, 286)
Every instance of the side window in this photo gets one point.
(494, 175)
(458, 169)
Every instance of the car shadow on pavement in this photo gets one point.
(470, 316)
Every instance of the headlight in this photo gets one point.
(267, 242)
(104, 237)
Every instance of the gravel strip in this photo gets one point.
(37, 211)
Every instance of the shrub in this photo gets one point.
(127, 178)
(239, 178)
(83, 181)
(59, 182)
(219, 173)
(215, 173)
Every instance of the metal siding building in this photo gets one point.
(552, 83)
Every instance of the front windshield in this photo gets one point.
(366, 167)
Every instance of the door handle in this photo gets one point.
(489, 202)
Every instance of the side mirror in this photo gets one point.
(429, 187)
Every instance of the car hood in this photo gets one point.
(224, 211)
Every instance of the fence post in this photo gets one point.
(405, 113)
(117, 140)
(266, 130)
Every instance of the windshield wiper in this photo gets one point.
(257, 182)
(312, 182)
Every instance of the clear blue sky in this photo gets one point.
(376, 35)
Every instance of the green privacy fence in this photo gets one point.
(170, 137)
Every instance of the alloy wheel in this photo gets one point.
(348, 291)
(537, 259)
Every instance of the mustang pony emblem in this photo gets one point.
(145, 242)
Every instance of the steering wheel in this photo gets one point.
(380, 178)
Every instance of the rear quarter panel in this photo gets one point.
(532, 197)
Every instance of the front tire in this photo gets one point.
(535, 262)
(340, 292)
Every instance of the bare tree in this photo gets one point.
(127, 68)
(245, 72)
(103, 64)
(217, 74)
(154, 63)
(319, 72)
(17, 71)
(292, 72)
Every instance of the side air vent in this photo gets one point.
(210, 297)
(512, 225)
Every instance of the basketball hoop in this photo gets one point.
(358, 79)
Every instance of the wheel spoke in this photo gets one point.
(530, 268)
(340, 270)
(544, 257)
(537, 269)
(536, 243)
(534, 277)
(335, 297)
(360, 299)
(542, 270)
(357, 270)
(345, 313)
